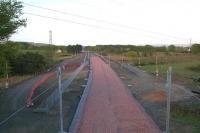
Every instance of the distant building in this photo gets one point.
(59, 51)
(189, 49)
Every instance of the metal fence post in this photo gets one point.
(60, 95)
(139, 62)
(157, 66)
(7, 82)
(109, 59)
(168, 87)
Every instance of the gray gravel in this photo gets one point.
(141, 84)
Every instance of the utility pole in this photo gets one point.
(50, 37)
(122, 60)
(109, 59)
(190, 45)
(139, 62)
(60, 95)
(7, 83)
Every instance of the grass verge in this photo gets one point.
(189, 115)
(183, 72)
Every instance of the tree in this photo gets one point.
(171, 48)
(161, 49)
(148, 49)
(2, 65)
(74, 48)
(195, 48)
(28, 63)
(8, 54)
(10, 14)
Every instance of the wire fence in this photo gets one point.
(23, 107)
(53, 97)
(76, 120)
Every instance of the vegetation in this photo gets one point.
(146, 50)
(183, 72)
(184, 69)
(187, 115)
(8, 54)
(10, 14)
(17, 58)
(195, 49)
(28, 63)
(74, 49)
(181, 58)
(171, 48)
(185, 61)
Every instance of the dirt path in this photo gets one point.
(109, 107)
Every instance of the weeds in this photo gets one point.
(189, 115)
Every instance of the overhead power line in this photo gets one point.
(107, 22)
(95, 26)
(71, 21)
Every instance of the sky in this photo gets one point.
(137, 22)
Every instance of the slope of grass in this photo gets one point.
(182, 69)
(185, 72)
(189, 115)
(191, 120)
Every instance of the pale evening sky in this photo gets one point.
(178, 20)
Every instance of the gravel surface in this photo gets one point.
(151, 93)
(27, 121)
(16, 96)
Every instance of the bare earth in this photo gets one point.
(16, 96)
(27, 121)
(151, 94)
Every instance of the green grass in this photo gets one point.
(183, 72)
(193, 121)
(189, 115)
(183, 69)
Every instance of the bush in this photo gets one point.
(194, 68)
(131, 54)
(2, 65)
(195, 48)
(28, 63)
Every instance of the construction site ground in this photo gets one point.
(27, 120)
(150, 91)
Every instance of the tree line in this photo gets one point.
(25, 58)
(146, 50)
